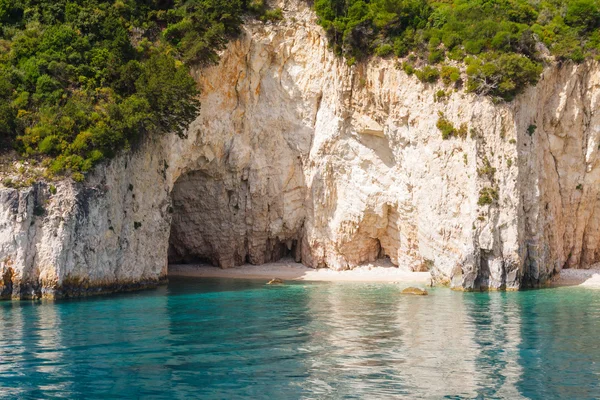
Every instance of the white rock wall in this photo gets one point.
(295, 153)
(104, 235)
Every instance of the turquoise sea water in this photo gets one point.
(228, 339)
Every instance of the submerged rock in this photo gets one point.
(275, 281)
(415, 291)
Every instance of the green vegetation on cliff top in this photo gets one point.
(82, 79)
(499, 44)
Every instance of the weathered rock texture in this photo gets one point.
(295, 153)
(97, 237)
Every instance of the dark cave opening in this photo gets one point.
(213, 221)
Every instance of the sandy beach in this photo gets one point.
(579, 277)
(376, 272)
(289, 270)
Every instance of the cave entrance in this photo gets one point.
(207, 222)
(216, 221)
(482, 281)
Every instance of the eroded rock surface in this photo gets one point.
(98, 237)
(295, 153)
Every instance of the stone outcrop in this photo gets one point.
(297, 154)
(414, 291)
(87, 238)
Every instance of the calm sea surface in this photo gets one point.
(229, 339)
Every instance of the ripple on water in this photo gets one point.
(217, 338)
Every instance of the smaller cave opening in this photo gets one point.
(482, 281)
(179, 255)
(283, 249)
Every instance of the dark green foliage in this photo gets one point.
(82, 80)
(582, 14)
(448, 130)
(435, 56)
(531, 129)
(450, 75)
(260, 10)
(428, 74)
(499, 37)
(446, 127)
(408, 68)
(440, 96)
(272, 15)
(487, 196)
(501, 75)
(384, 50)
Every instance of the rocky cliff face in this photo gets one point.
(87, 238)
(295, 153)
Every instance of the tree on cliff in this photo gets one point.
(81, 80)
(497, 42)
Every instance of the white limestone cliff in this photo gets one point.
(296, 153)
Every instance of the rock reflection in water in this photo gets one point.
(216, 339)
(370, 340)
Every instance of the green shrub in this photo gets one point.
(582, 14)
(474, 46)
(384, 50)
(487, 196)
(408, 68)
(501, 75)
(449, 75)
(436, 56)
(78, 176)
(257, 7)
(456, 54)
(501, 36)
(451, 40)
(428, 74)
(434, 43)
(272, 15)
(82, 80)
(440, 95)
(400, 47)
(445, 126)
(531, 129)
(8, 182)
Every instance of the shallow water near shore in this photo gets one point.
(224, 339)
